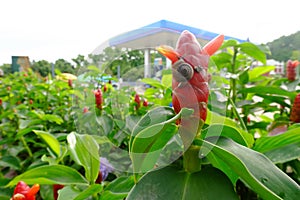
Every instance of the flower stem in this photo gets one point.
(26, 147)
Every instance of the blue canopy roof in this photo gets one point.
(161, 32)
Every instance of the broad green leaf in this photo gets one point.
(85, 151)
(254, 168)
(173, 183)
(118, 189)
(238, 135)
(258, 71)
(154, 116)
(268, 143)
(10, 161)
(276, 91)
(253, 51)
(50, 174)
(150, 136)
(52, 118)
(92, 189)
(229, 43)
(68, 192)
(106, 124)
(232, 130)
(50, 140)
(285, 153)
(166, 80)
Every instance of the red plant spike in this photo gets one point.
(190, 77)
(98, 99)
(137, 100)
(24, 192)
(295, 111)
(291, 69)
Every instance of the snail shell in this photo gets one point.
(183, 71)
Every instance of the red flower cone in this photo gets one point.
(291, 69)
(295, 111)
(190, 77)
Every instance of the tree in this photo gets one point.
(64, 66)
(42, 67)
(112, 57)
(6, 68)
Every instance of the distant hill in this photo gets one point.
(285, 48)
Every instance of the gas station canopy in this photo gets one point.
(161, 32)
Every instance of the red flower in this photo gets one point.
(145, 103)
(295, 111)
(137, 100)
(98, 98)
(24, 192)
(291, 69)
(190, 76)
(0, 102)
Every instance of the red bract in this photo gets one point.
(137, 100)
(295, 112)
(145, 103)
(190, 77)
(98, 98)
(70, 83)
(291, 69)
(56, 187)
(24, 192)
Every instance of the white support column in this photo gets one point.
(147, 63)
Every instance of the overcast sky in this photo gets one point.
(56, 29)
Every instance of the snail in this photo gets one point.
(183, 71)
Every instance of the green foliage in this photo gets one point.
(285, 47)
(52, 133)
(42, 67)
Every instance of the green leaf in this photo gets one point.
(258, 71)
(106, 124)
(50, 140)
(166, 80)
(68, 192)
(229, 43)
(92, 189)
(50, 174)
(85, 151)
(271, 90)
(285, 153)
(238, 135)
(232, 130)
(253, 51)
(118, 189)
(10, 161)
(150, 136)
(154, 116)
(254, 168)
(173, 183)
(268, 143)
(52, 118)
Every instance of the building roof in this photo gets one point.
(161, 32)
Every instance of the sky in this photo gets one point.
(50, 30)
